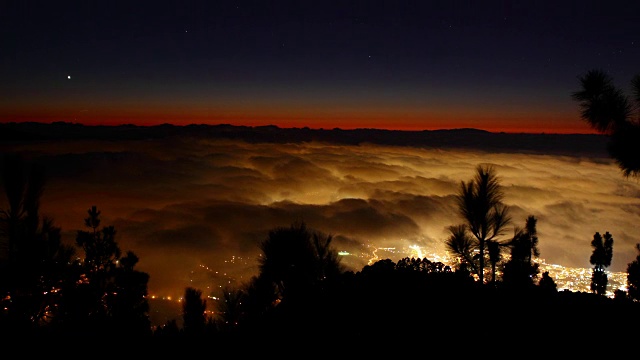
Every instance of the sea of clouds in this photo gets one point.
(195, 211)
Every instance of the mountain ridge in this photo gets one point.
(590, 145)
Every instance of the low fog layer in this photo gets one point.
(194, 211)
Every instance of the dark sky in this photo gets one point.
(494, 65)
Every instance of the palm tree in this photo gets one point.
(608, 110)
(480, 205)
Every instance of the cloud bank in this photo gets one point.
(195, 210)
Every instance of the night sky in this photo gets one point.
(494, 65)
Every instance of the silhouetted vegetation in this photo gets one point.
(301, 287)
(633, 277)
(521, 270)
(46, 289)
(34, 265)
(547, 283)
(195, 321)
(600, 259)
(480, 205)
(608, 110)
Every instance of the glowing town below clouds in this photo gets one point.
(566, 278)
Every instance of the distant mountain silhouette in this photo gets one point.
(589, 145)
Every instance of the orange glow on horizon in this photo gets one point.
(508, 120)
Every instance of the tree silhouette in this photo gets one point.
(257, 300)
(111, 296)
(494, 251)
(297, 260)
(401, 292)
(420, 265)
(633, 277)
(620, 295)
(521, 271)
(130, 308)
(601, 259)
(608, 110)
(100, 248)
(230, 310)
(480, 205)
(461, 244)
(547, 283)
(169, 330)
(193, 312)
(296, 268)
(34, 264)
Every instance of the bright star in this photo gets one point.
(68, 76)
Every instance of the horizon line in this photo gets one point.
(152, 125)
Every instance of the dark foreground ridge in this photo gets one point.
(587, 145)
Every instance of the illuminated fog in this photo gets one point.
(190, 208)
